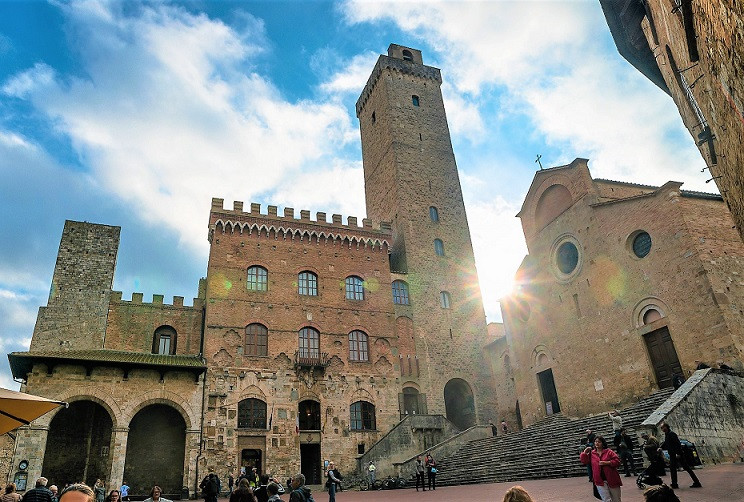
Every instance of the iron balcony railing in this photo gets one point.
(310, 359)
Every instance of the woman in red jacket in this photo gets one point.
(604, 464)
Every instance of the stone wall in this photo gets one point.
(707, 410)
(411, 436)
(7, 445)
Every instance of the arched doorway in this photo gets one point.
(155, 451)
(78, 445)
(459, 403)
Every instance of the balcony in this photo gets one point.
(310, 359)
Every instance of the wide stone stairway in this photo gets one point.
(547, 449)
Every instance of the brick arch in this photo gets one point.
(167, 398)
(538, 353)
(308, 395)
(411, 384)
(92, 394)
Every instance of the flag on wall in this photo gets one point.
(297, 423)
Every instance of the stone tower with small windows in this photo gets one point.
(411, 180)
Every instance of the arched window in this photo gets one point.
(164, 341)
(358, 346)
(354, 288)
(407, 56)
(439, 247)
(444, 299)
(308, 413)
(307, 283)
(258, 279)
(362, 416)
(251, 414)
(434, 214)
(309, 342)
(415, 100)
(256, 340)
(400, 293)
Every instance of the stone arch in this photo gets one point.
(361, 395)
(78, 443)
(553, 202)
(163, 397)
(92, 394)
(252, 391)
(541, 358)
(459, 403)
(156, 449)
(639, 318)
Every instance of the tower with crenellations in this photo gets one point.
(411, 180)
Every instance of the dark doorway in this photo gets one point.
(309, 415)
(549, 394)
(663, 356)
(155, 451)
(78, 445)
(518, 414)
(410, 402)
(250, 458)
(459, 403)
(310, 463)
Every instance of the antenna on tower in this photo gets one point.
(538, 161)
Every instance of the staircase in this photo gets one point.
(547, 449)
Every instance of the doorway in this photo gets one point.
(250, 458)
(663, 356)
(459, 403)
(310, 463)
(548, 391)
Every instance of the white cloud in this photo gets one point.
(353, 76)
(166, 117)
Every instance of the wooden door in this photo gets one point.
(663, 356)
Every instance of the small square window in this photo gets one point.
(415, 100)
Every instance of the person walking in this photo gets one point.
(624, 445)
(300, 492)
(100, 491)
(604, 464)
(676, 458)
(587, 441)
(420, 469)
(40, 493)
(331, 482)
(243, 492)
(431, 471)
(617, 422)
(230, 482)
(371, 470)
(124, 490)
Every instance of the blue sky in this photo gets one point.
(137, 114)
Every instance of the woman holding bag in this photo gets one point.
(604, 463)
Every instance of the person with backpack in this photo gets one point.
(300, 492)
(431, 471)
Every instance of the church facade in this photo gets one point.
(309, 338)
(625, 287)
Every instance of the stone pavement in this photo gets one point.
(720, 483)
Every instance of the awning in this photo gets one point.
(17, 409)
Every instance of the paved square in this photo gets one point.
(720, 483)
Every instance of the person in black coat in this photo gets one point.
(39, 494)
(676, 458)
(624, 445)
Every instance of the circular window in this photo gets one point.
(567, 257)
(641, 244)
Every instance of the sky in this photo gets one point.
(136, 114)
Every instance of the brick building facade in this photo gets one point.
(693, 51)
(309, 339)
(624, 286)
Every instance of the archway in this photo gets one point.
(156, 451)
(78, 444)
(459, 403)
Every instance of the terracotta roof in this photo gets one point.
(21, 363)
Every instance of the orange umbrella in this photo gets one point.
(17, 408)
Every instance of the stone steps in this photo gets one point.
(547, 449)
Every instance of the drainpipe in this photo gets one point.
(204, 393)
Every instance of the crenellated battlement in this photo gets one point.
(246, 222)
(157, 300)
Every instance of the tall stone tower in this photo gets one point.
(411, 180)
(76, 313)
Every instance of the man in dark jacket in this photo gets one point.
(676, 458)
(39, 494)
(624, 444)
(210, 488)
(300, 492)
